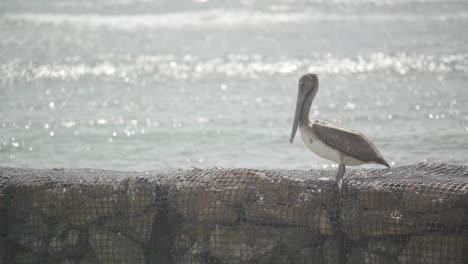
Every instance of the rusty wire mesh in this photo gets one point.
(406, 215)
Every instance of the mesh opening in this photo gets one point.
(413, 214)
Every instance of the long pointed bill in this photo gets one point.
(300, 102)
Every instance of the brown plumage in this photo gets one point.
(350, 142)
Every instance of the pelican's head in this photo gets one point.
(308, 86)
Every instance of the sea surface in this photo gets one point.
(144, 85)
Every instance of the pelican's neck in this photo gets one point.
(306, 108)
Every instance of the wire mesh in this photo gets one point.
(413, 214)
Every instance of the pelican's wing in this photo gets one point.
(350, 142)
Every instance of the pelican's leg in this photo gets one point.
(341, 171)
(340, 174)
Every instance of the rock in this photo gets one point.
(451, 218)
(430, 201)
(4, 248)
(359, 223)
(363, 256)
(388, 246)
(351, 221)
(315, 218)
(325, 224)
(333, 250)
(62, 241)
(32, 233)
(384, 222)
(298, 238)
(253, 197)
(357, 256)
(110, 247)
(136, 195)
(373, 258)
(47, 201)
(68, 261)
(89, 258)
(88, 203)
(311, 255)
(195, 259)
(375, 199)
(234, 245)
(206, 206)
(281, 254)
(288, 202)
(136, 227)
(245, 243)
(435, 248)
(28, 258)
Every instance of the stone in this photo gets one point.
(136, 195)
(89, 258)
(68, 261)
(363, 256)
(297, 238)
(373, 258)
(388, 246)
(358, 223)
(4, 248)
(451, 218)
(311, 255)
(195, 259)
(315, 218)
(435, 248)
(206, 206)
(46, 201)
(136, 227)
(418, 202)
(287, 202)
(351, 221)
(110, 247)
(384, 222)
(89, 203)
(32, 233)
(29, 258)
(233, 245)
(332, 250)
(375, 199)
(281, 254)
(256, 198)
(62, 241)
(245, 243)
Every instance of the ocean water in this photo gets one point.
(141, 85)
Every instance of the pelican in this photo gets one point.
(329, 141)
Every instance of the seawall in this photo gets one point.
(412, 214)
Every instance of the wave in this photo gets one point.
(219, 17)
(176, 20)
(242, 66)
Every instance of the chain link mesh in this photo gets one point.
(407, 215)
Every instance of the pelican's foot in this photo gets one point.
(340, 184)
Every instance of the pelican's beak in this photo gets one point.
(297, 115)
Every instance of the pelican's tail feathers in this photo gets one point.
(382, 161)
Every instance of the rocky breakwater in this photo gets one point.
(415, 216)
(251, 216)
(77, 216)
(407, 215)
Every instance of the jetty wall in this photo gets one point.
(405, 215)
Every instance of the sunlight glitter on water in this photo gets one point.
(221, 17)
(157, 84)
(234, 66)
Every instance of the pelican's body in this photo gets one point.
(314, 143)
(329, 141)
